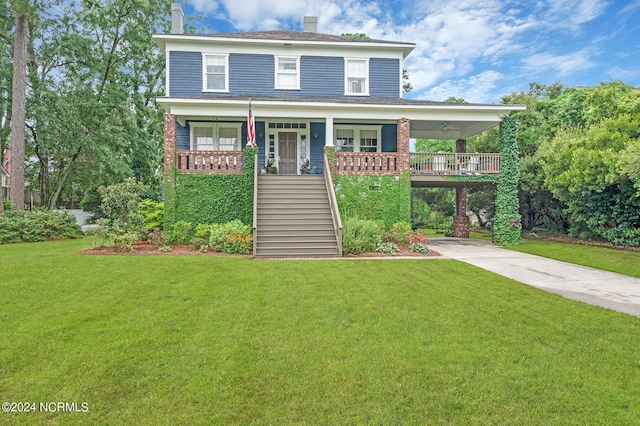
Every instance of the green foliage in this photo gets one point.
(120, 207)
(385, 198)
(435, 145)
(507, 219)
(38, 225)
(218, 198)
(160, 239)
(233, 237)
(93, 73)
(388, 248)
(397, 233)
(153, 213)
(419, 248)
(125, 240)
(591, 167)
(180, 232)
(359, 235)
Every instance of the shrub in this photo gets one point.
(202, 237)
(359, 235)
(159, 238)
(417, 237)
(388, 248)
(37, 225)
(419, 248)
(233, 237)
(153, 213)
(126, 240)
(120, 207)
(180, 232)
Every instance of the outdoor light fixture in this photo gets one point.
(260, 134)
(315, 135)
(445, 128)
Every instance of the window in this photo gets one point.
(287, 73)
(215, 78)
(358, 138)
(344, 140)
(368, 141)
(203, 138)
(356, 72)
(215, 136)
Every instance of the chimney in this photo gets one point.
(177, 16)
(310, 24)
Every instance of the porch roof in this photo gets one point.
(429, 119)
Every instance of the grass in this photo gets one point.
(620, 261)
(474, 233)
(221, 340)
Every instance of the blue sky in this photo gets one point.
(476, 50)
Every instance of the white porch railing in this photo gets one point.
(444, 163)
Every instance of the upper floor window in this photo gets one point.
(287, 73)
(356, 75)
(358, 138)
(216, 136)
(215, 73)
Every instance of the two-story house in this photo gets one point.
(310, 94)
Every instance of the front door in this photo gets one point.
(287, 150)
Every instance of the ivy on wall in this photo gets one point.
(507, 224)
(385, 198)
(217, 198)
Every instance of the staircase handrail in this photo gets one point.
(333, 203)
(255, 204)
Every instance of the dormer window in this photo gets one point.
(356, 72)
(215, 73)
(287, 73)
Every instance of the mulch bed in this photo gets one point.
(142, 248)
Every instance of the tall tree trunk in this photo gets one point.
(18, 113)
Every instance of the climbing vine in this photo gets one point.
(507, 224)
(382, 198)
(217, 198)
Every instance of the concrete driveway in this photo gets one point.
(607, 289)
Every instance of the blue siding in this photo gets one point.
(185, 74)
(389, 137)
(254, 74)
(182, 137)
(316, 149)
(249, 73)
(384, 77)
(322, 75)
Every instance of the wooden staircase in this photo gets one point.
(294, 217)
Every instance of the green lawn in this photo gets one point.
(221, 340)
(623, 262)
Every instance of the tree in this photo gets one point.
(94, 73)
(18, 106)
(590, 166)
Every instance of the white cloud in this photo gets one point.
(572, 13)
(458, 44)
(563, 65)
(475, 89)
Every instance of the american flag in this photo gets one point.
(251, 128)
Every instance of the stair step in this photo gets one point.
(308, 251)
(294, 217)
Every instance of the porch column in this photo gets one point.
(461, 220)
(328, 137)
(169, 147)
(404, 132)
